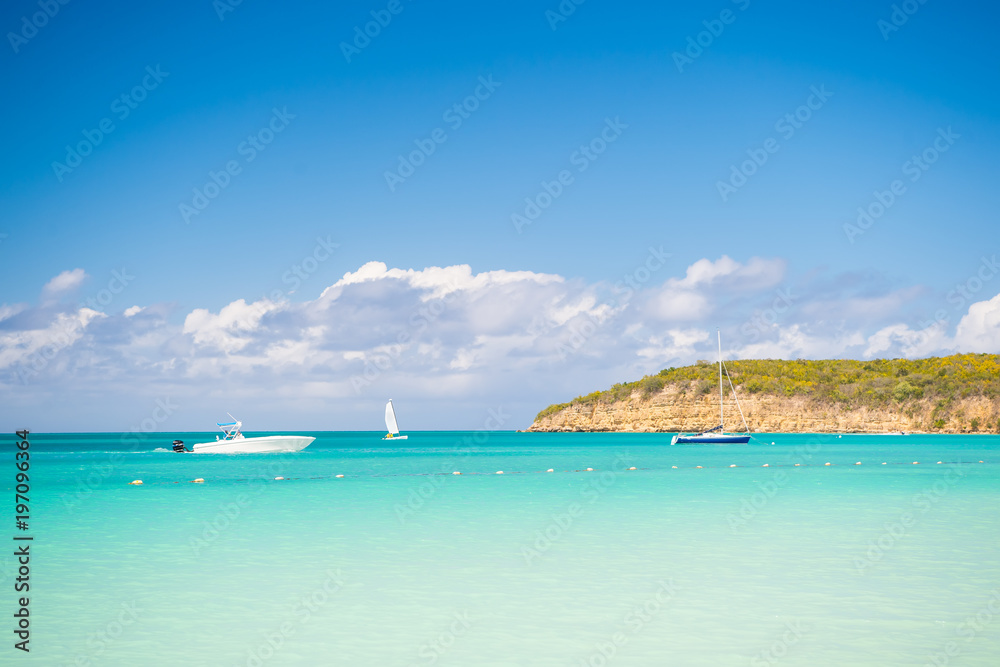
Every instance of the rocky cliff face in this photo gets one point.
(681, 409)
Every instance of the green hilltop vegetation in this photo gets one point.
(881, 383)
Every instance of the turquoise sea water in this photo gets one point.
(400, 562)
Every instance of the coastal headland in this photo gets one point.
(954, 394)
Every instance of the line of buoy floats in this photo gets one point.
(201, 480)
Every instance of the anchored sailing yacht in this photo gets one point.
(717, 435)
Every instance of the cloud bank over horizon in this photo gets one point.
(449, 344)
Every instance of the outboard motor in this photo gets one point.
(179, 446)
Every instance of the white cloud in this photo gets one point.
(797, 341)
(706, 284)
(464, 360)
(35, 348)
(446, 335)
(979, 330)
(676, 344)
(231, 330)
(757, 273)
(900, 340)
(437, 282)
(679, 306)
(9, 311)
(66, 281)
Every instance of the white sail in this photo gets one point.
(390, 419)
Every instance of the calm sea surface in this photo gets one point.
(400, 562)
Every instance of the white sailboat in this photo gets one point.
(717, 435)
(390, 424)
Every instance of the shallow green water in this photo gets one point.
(402, 563)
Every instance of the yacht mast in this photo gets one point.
(721, 418)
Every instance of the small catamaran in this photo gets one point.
(717, 435)
(390, 424)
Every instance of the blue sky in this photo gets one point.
(200, 82)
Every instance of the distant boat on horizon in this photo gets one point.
(717, 435)
(390, 424)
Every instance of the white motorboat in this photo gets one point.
(234, 442)
(390, 424)
(717, 435)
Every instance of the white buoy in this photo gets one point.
(828, 464)
(456, 473)
(797, 465)
(916, 463)
(697, 466)
(858, 463)
(499, 472)
(550, 470)
(277, 478)
(939, 463)
(884, 463)
(137, 482)
(733, 465)
(339, 475)
(673, 467)
(766, 465)
(198, 481)
(590, 470)
(632, 468)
